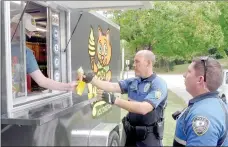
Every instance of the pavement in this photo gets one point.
(175, 83)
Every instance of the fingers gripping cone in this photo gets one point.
(81, 84)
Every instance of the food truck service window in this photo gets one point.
(35, 45)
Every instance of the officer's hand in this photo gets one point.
(88, 77)
(108, 97)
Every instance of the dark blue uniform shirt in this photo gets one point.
(152, 90)
(202, 123)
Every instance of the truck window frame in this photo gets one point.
(19, 103)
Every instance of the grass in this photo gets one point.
(224, 63)
(180, 69)
(174, 103)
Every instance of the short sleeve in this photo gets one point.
(200, 131)
(31, 63)
(158, 93)
(124, 84)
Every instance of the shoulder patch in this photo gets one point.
(158, 94)
(200, 125)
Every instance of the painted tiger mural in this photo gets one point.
(103, 52)
(100, 54)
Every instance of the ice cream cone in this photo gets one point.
(80, 73)
(81, 84)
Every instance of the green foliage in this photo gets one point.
(212, 51)
(176, 30)
(226, 51)
(223, 20)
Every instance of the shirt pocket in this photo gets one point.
(132, 94)
(143, 94)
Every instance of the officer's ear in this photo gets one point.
(200, 80)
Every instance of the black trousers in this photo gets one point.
(150, 140)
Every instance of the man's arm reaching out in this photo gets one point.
(33, 70)
(106, 86)
(131, 106)
(45, 82)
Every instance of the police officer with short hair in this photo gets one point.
(147, 94)
(205, 121)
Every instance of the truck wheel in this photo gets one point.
(114, 139)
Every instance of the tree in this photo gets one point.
(223, 21)
(176, 30)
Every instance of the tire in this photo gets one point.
(113, 139)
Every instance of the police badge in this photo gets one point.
(147, 87)
(200, 125)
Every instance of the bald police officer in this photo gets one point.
(205, 121)
(147, 99)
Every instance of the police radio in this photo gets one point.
(176, 114)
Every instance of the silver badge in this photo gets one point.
(200, 125)
(146, 87)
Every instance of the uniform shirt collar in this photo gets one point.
(202, 97)
(150, 78)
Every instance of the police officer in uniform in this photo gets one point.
(147, 94)
(205, 121)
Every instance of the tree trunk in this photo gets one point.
(167, 64)
(149, 47)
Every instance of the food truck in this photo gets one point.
(67, 38)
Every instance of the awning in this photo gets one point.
(95, 5)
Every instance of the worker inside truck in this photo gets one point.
(36, 53)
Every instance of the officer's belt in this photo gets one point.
(149, 129)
